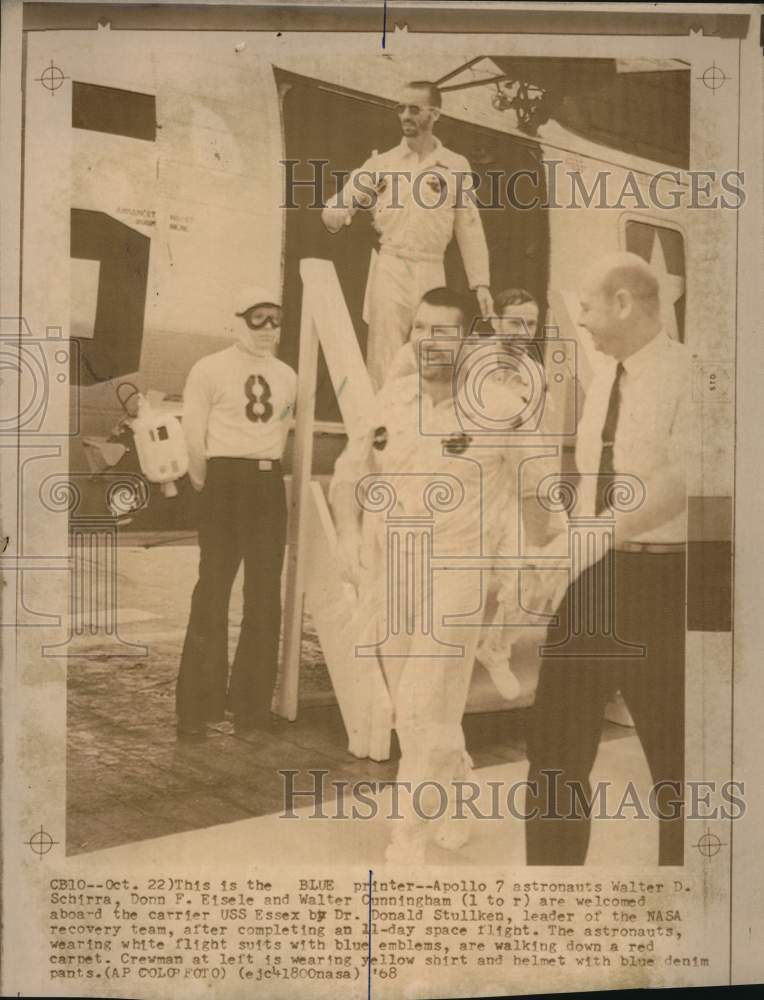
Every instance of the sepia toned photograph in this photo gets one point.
(375, 458)
(354, 211)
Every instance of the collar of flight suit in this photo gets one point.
(406, 152)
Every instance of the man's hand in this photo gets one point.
(335, 218)
(349, 552)
(485, 301)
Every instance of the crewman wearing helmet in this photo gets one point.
(237, 408)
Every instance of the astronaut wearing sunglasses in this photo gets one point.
(416, 193)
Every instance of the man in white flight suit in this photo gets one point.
(418, 192)
(428, 461)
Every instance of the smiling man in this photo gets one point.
(451, 490)
(418, 194)
(237, 407)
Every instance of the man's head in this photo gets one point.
(620, 304)
(259, 312)
(418, 108)
(517, 314)
(439, 322)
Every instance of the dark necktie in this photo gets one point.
(607, 469)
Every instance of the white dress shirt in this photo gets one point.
(651, 437)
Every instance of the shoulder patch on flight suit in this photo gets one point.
(436, 182)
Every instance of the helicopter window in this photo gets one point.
(114, 111)
(113, 347)
(110, 275)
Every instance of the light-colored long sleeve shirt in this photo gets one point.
(236, 405)
(419, 206)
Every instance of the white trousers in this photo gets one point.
(428, 688)
(395, 289)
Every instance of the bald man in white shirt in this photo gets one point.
(418, 194)
(237, 409)
(635, 423)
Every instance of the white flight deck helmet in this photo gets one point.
(254, 295)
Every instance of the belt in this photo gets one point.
(654, 547)
(414, 255)
(262, 464)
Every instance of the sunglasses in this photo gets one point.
(271, 318)
(414, 109)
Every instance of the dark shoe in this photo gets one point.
(191, 731)
(215, 711)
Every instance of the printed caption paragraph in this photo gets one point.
(174, 928)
